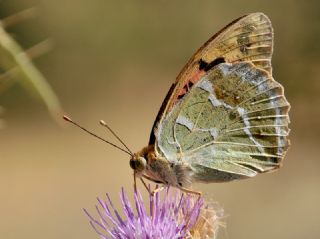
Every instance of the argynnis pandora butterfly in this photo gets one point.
(225, 117)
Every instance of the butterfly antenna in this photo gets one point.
(66, 118)
(115, 135)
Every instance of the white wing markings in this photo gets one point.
(185, 122)
(207, 86)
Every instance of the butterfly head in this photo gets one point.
(138, 163)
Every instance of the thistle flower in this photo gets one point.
(172, 215)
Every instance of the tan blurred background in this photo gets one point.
(115, 60)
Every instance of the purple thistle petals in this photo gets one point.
(120, 232)
(139, 207)
(179, 205)
(116, 212)
(156, 206)
(151, 203)
(108, 213)
(172, 215)
(162, 209)
(126, 205)
(102, 216)
(97, 231)
(128, 211)
(92, 219)
(194, 214)
(94, 223)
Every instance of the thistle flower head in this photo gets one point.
(171, 215)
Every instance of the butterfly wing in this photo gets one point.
(248, 38)
(233, 123)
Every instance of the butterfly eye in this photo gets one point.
(138, 164)
(133, 164)
(141, 164)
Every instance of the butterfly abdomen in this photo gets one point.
(174, 174)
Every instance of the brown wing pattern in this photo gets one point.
(248, 38)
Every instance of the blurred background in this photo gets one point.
(115, 60)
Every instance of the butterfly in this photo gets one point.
(224, 118)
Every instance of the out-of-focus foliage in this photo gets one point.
(16, 64)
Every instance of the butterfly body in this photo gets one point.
(225, 117)
(160, 170)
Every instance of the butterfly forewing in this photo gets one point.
(233, 123)
(248, 38)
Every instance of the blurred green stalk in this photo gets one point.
(17, 64)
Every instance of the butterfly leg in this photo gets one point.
(153, 193)
(155, 181)
(145, 185)
(159, 189)
(134, 181)
(152, 179)
(186, 190)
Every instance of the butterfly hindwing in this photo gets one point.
(233, 123)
